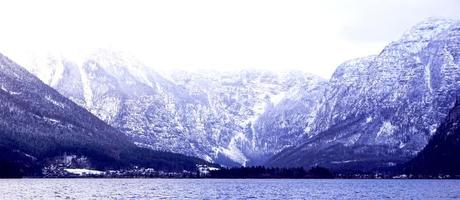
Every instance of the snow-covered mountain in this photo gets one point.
(212, 114)
(287, 122)
(36, 119)
(381, 110)
(240, 102)
(39, 126)
(375, 111)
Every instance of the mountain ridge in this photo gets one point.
(384, 108)
(381, 108)
(38, 126)
(209, 115)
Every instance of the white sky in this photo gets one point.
(313, 36)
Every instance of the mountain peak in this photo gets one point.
(428, 28)
(418, 37)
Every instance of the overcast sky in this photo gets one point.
(313, 36)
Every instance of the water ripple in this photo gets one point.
(227, 189)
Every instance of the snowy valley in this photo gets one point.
(213, 115)
(376, 111)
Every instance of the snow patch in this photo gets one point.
(140, 73)
(343, 162)
(428, 77)
(2, 87)
(387, 129)
(84, 172)
(369, 119)
(57, 75)
(276, 99)
(233, 152)
(87, 92)
(258, 109)
(143, 145)
(433, 129)
(51, 120)
(50, 99)
(352, 140)
(402, 145)
(208, 158)
(252, 120)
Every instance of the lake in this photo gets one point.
(227, 189)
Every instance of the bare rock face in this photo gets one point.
(212, 115)
(381, 110)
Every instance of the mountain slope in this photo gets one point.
(242, 103)
(284, 124)
(381, 110)
(211, 115)
(374, 112)
(442, 154)
(33, 110)
(38, 124)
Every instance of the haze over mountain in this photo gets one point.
(209, 114)
(374, 112)
(38, 125)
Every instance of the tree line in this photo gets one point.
(264, 172)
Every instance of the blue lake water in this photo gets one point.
(227, 189)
